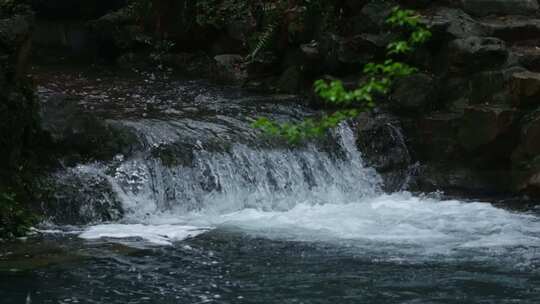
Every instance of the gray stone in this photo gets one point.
(482, 124)
(512, 28)
(525, 87)
(414, 93)
(231, 68)
(476, 53)
(500, 7)
(454, 23)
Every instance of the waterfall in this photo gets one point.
(199, 166)
(315, 192)
(241, 177)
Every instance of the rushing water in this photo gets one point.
(227, 217)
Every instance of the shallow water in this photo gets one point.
(241, 220)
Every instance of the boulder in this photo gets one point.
(191, 64)
(291, 80)
(530, 138)
(348, 54)
(525, 87)
(491, 87)
(500, 7)
(117, 33)
(69, 198)
(231, 68)
(370, 18)
(476, 53)
(383, 146)
(482, 124)
(80, 136)
(526, 176)
(414, 93)
(451, 23)
(512, 28)
(435, 135)
(459, 178)
(528, 57)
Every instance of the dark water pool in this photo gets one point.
(227, 266)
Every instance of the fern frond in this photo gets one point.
(264, 39)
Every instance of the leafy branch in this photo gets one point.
(380, 78)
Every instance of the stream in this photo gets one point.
(207, 210)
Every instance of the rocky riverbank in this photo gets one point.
(468, 123)
(470, 118)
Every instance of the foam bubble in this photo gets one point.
(156, 234)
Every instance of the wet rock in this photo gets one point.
(451, 23)
(500, 7)
(117, 33)
(291, 80)
(191, 64)
(491, 87)
(82, 136)
(15, 33)
(350, 53)
(433, 136)
(513, 28)
(414, 93)
(177, 154)
(526, 176)
(371, 16)
(311, 50)
(383, 146)
(481, 125)
(78, 196)
(530, 137)
(525, 86)
(231, 68)
(461, 179)
(528, 57)
(476, 53)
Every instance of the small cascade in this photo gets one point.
(241, 176)
(197, 164)
(246, 177)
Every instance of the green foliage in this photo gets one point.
(308, 128)
(15, 220)
(263, 40)
(380, 77)
(279, 15)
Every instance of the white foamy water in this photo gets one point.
(401, 218)
(157, 234)
(303, 194)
